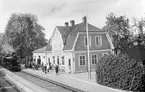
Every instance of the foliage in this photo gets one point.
(138, 27)
(118, 28)
(2, 74)
(119, 71)
(24, 33)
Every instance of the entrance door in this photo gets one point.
(57, 60)
(69, 64)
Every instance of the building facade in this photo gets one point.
(67, 46)
(39, 53)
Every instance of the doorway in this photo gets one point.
(57, 60)
(69, 64)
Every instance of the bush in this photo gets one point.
(119, 71)
(2, 74)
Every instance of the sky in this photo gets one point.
(53, 13)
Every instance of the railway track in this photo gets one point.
(7, 86)
(46, 83)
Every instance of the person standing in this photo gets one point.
(50, 66)
(56, 69)
(45, 68)
(42, 66)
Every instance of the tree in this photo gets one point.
(139, 25)
(139, 28)
(24, 33)
(118, 28)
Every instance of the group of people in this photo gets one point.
(46, 68)
(38, 64)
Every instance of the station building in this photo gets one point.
(67, 46)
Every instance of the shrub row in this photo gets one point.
(119, 71)
(2, 74)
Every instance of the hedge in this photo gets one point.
(2, 74)
(119, 71)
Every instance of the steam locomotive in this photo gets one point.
(10, 62)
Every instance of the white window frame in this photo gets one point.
(89, 40)
(80, 62)
(94, 59)
(99, 40)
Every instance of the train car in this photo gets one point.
(11, 63)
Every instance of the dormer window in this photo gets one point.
(85, 41)
(98, 40)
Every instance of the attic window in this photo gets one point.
(98, 40)
(85, 41)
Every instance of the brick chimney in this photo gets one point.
(66, 24)
(84, 19)
(72, 23)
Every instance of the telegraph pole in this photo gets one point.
(88, 43)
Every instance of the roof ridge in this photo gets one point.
(68, 33)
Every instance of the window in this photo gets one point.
(82, 60)
(53, 59)
(85, 41)
(63, 60)
(94, 59)
(43, 56)
(98, 40)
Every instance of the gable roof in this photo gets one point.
(64, 31)
(40, 50)
(69, 34)
(73, 33)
